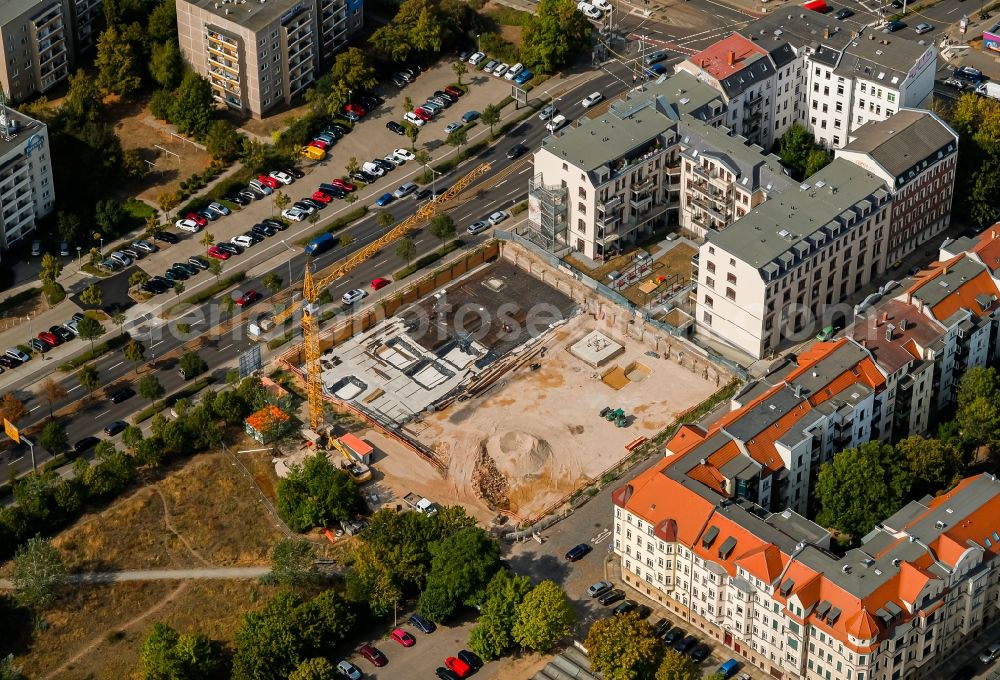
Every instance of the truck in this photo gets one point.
(989, 89)
(321, 244)
(420, 504)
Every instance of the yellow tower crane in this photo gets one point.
(311, 288)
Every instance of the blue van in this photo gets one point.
(728, 669)
(321, 244)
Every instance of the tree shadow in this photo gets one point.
(19, 624)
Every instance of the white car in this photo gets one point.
(591, 99)
(498, 217)
(589, 10)
(404, 154)
(602, 5)
(411, 117)
(514, 71)
(373, 169)
(352, 296)
(293, 214)
(476, 58)
(477, 227)
(395, 160)
(243, 241)
(187, 225)
(547, 112)
(500, 70)
(451, 127)
(282, 177)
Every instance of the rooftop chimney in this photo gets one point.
(993, 235)
(731, 58)
(826, 34)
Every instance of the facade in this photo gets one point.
(915, 153)
(260, 56)
(767, 586)
(26, 189)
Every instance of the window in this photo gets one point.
(710, 266)
(707, 318)
(710, 282)
(891, 97)
(731, 278)
(709, 301)
(730, 293)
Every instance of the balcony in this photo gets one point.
(640, 204)
(224, 63)
(710, 207)
(611, 204)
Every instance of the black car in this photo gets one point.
(611, 597)
(166, 237)
(188, 267)
(363, 176)
(238, 199)
(424, 625)
(368, 101)
(277, 224)
(626, 607)
(318, 205)
(393, 126)
(259, 230)
(517, 150)
(9, 362)
(673, 636)
(111, 429)
(294, 172)
(661, 627)
(577, 552)
(384, 164)
(229, 248)
(444, 95)
(254, 238)
(685, 644)
(62, 333)
(643, 611)
(342, 129)
(85, 444)
(198, 261)
(169, 277)
(178, 274)
(333, 191)
(897, 4)
(399, 81)
(421, 195)
(161, 283)
(251, 195)
(700, 652)
(843, 14)
(473, 661)
(445, 674)
(302, 205)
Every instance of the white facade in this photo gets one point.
(26, 189)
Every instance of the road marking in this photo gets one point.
(499, 184)
(524, 171)
(16, 460)
(226, 347)
(601, 536)
(110, 368)
(71, 389)
(102, 414)
(155, 344)
(35, 409)
(195, 323)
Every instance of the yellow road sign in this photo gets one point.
(11, 431)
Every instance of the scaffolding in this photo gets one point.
(548, 215)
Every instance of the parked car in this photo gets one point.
(405, 154)
(282, 177)
(393, 126)
(476, 58)
(62, 333)
(411, 117)
(477, 227)
(589, 10)
(454, 91)
(187, 225)
(577, 552)
(700, 652)
(38, 346)
(230, 248)
(470, 116)
(402, 637)
(625, 607)
(523, 77)
(894, 26)
(458, 667)
(425, 114)
(422, 624)
(673, 636)
(217, 252)
(384, 200)
(599, 588)
(145, 245)
(404, 190)
(238, 199)
(517, 151)
(166, 237)
(349, 670)
(50, 339)
(451, 127)
(85, 444)
(472, 660)
(374, 655)
(685, 644)
(842, 14)
(293, 214)
(198, 261)
(661, 627)
(611, 597)
(990, 654)
(352, 296)
(497, 217)
(445, 673)
(113, 428)
(923, 28)
(379, 283)
(342, 183)
(195, 217)
(547, 112)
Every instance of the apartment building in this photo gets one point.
(777, 273)
(36, 41)
(915, 153)
(88, 17)
(26, 189)
(258, 55)
(768, 586)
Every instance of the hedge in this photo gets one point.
(99, 349)
(171, 399)
(215, 288)
(337, 224)
(428, 259)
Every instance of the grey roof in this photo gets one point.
(883, 59)
(947, 282)
(752, 165)
(24, 127)
(682, 93)
(798, 27)
(905, 141)
(253, 14)
(756, 419)
(757, 69)
(11, 9)
(801, 220)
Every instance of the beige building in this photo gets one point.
(258, 55)
(36, 40)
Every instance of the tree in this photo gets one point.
(192, 364)
(860, 487)
(280, 200)
(12, 408)
(423, 158)
(166, 65)
(52, 392)
(179, 288)
(316, 668)
(978, 413)
(623, 647)
(977, 187)
(461, 568)
(149, 387)
(443, 227)
(222, 141)
(215, 268)
(117, 64)
(493, 635)
(51, 269)
(38, 573)
(92, 296)
(68, 226)
(800, 153)
(162, 24)
(352, 70)
(167, 655)
(193, 106)
(460, 70)
(544, 617)
(352, 165)
(933, 464)
(228, 304)
(109, 215)
(137, 278)
(316, 494)
(207, 238)
(490, 116)
(385, 219)
(135, 352)
(132, 437)
(457, 138)
(412, 132)
(406, 249)
(554, 36)
(407, 105)
(89, 377)
(816, 161)
(83, 102)
(89, 328)
(119, 319)
(9, 670)
(272, 282)
(293, 562)
(677, 666)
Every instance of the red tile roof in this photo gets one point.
(727, 56)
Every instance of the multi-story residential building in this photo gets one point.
(26, 189)
(87, 17)
(768, 586)
(782, 267)
(915, 153)
(260, 56)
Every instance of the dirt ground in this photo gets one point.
(542, 428)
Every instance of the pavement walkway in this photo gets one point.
(160, 575)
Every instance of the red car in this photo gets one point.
(380, 283)
(269, 181)
(247, 298)
(218, 253)
(453, 91)
(343, 184)
(421, 114)
(357, 110)
(319, 144)
(49, 339)
(196, 218)
(402, 637)
(457, 666)
(321, 197)
(374, 655)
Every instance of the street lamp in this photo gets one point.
(479, 43)
(285, 243)
(79, 255)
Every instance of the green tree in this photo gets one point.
(460, 70)
(167, 655)
(133, 166)
(316, 668)
(215, 268)
(272, 282)
(51, 269)
(443, 227)
(458, 138)
(162, 24)
(52, 392)
(800, 153)
(193, 106)
(544, 617)
(860, 487)
(352, 165)
(109, 215)
(191, 365)
(89, 328)
(407, 105)
(423, 158)
(135, 352)
(92, 296)
(293, 562)
(132, 437)
(490, 116)
(352, 70)
(461, 567)
(280, 200)
(316, 493)
(166, 65)
(554, 36)
(385, 219)
(9, 670)
(68, 226)
(83, 102)
(149, 387)
(117, 64)
(222, 141)
(412, 133)
(677, 666)
(493, 635)
(137, 278)
(179, 288)
(228, 304)
(816, 161)
(406, 249)
(119, 319)
(977, 186)
(978, 413)
(933, 464)
(623, 647)
(89, 377)
(38, 574)
(207, 238)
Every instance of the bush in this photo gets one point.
(183, 393)
(281, 340)
(519, 208)
(428, 259)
